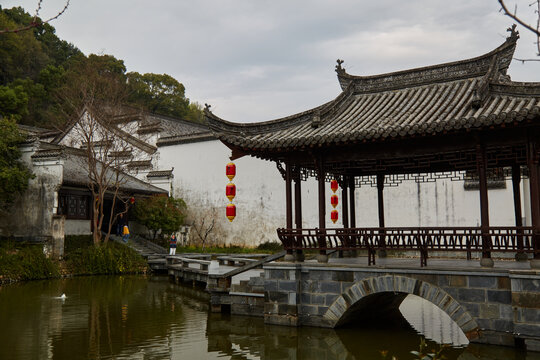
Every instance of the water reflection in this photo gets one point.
(150, 318)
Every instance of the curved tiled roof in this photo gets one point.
(449, 97)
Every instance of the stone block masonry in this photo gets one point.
(500, 307)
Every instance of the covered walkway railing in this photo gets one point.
(421, 239)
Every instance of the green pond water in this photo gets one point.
(137, 317)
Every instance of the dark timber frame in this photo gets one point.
(454, 118)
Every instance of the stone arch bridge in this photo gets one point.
(493, 306)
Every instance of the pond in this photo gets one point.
(138, 317)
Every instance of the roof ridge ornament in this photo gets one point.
(514, 34)
(207, 108)
(481, 89)
(339, 69)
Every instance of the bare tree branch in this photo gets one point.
(36, 21)
(529, 27)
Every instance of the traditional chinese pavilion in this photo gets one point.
(464, 119)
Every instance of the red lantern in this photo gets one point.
(231, 212)
(334, 200)
(230, 191)
(230, 170)
(334, 216)
(334, 185)
(132, 200)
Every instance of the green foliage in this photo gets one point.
(49, 69)
(13, 175)
(26, 263)
(13, 101)
(160, 213)
(158, 93)
(111, 258)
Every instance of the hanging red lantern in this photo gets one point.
(334, 216)
(132, 200)
(334, 185)
(230, 170)
(230, 191)
(334, 200)
(231, 212)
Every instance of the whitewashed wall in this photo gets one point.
(199, 178)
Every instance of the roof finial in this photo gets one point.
(339, 69)
(514, 34)
(207, 107)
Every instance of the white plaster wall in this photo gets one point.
(31, 215)
(199, 178)
(77, 227)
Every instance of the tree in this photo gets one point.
(14, 175)
(36, 21)
(535, 29)
(97, 86)
(161, 214)
(159, 93)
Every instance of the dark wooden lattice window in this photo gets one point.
(495, 179)
(73, 206)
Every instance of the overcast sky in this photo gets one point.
(256, 60)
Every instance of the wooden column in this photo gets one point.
(382, 241)
(298, 212)
(288, 204)
(352, 205)
(344, 203)
(322, 212)
(345, 214)
(532, 163)
(481, 166)
(516, 179)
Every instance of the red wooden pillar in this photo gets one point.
(532, 163)
(516, 179)
(322, 213)
(298, 213)
(352, 223)
(382, 240)
(288, 205)
(481, 166)
(345, 214)
(352, 213)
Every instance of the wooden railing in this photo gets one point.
(422, 239)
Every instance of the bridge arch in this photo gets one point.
(341, 308)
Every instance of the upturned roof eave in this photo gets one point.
(506, 49)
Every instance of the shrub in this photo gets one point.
(271, 246)
(111, 258)
(26, 262)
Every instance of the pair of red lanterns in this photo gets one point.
(334, 200)
(230, 191)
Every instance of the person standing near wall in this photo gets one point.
(172, 248)
(125, 233)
